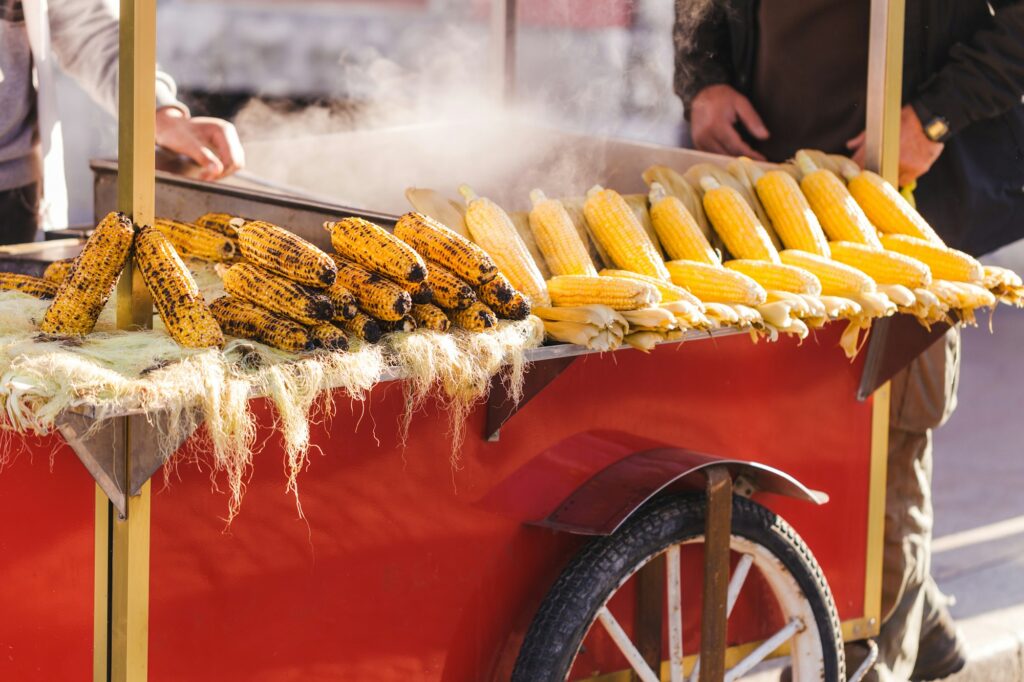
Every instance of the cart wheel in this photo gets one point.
(580, 598)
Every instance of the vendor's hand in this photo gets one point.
(211, 142)
(917, 151)
(713, 116)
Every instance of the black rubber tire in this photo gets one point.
(571, 605)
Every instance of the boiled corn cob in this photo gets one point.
(448, 290)
(376, 249)
(175, 293)
(475, 318)
(713, 284)
(840, 216)
(429, 316)
(364, 327)
(678, 231)
(791, 215)
(83, 293)
(962, 295)
(778, 276)
(837, 279)
(736, 223)
(328, 336)
(57, 270)
(376, 295)
(442, 245)
(557, 238)
(615, 226)
(421, 292)
(249, 321)
(669, 292)
(287, 254)
(343, 300)
(614, 292)
(430, 202)
(33, 286)
(225, 223)
(406, 324)
(278, 294)
(192, 241)
(886, 208)
(885, 267)
(945, 263)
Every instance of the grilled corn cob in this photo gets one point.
(885, 267)
(516, 308)
(886, 208)
(442, 245)
(225, 223)
(278, 294)
(713, 284)
(448, 290)
(329, 336)
(557, 238)
(406, 324)
(778, 276)
(945, 263)
(421, 292)
(736, 223)
(376, 295)
(678, 231)
(614, 292)
(364, 327)
(57, 270)
(192, 241)
(840, 216)
(175, 293)
(837, 279)
(343, 300)
(475, 318)
(614, 225)
(669, 292)
(791, 215)
(498, 290)
(493, 230)
(280, 251)
(429, 316)
(249, 321)
(33, 286)
(83, 293)
(376, 249)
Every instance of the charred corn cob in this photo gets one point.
(712, 284)
(429, 316)
(498, 290)
(225, 223)
(280, 251)
(557, 238)
(669, 292)
(57, 270)
(328, 336)
(476, 318)
(516, 308)
(442, 245)
(421, 292)
(778, 276)
(840, 216)
(192, 241)
(364, 327)
(837, 279)
(376, 249)
(678, 231)
(343, 300)
(376, 295)
(448, 290)
(33, 286)
(493, 230)
(83, 293)
(406, 324)
(615, 226)
(278, 294)
(791, 215)
(945, 263)
(249, 321)
(736, 223)
(886, 208)
(614, 292)
(885, 267)
(175, 293)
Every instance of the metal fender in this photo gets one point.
(605, 500)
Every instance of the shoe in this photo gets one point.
(942, 651)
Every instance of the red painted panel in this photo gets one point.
(46, 562)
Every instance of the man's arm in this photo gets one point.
(701, 38)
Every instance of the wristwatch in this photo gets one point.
(936, 129)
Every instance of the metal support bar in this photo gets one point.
(500, 407)
(885, 84)
(650, 602)
(503, 49)
(714, 615)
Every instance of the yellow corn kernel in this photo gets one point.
(887, 209)
(192, 241)
(945, 263)
(249, 321)
(557, 238)
(376, 295)
(225, 223)
(364, 327)
(715, 284)
(616, 228)
(278, 294)
(429, 316)
(376, 249)
(615, 292)
(476, 318)
(448, 291)
(778, 276)
(736, 223)
(328, 336)
(442, 245)
(287, 254)
(885, 267)
(837, 279)
(57, 270)
(343, 300)
(791, 215)
(678, 231)
(33, 286)
(841, 217)
(669, 292)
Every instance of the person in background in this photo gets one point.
(82, 36)
(765, 78)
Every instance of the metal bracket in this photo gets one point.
(500, 407)
(895, 342)
(103, 446)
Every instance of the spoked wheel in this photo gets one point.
(578, 616)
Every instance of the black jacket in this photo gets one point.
(961, 61)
